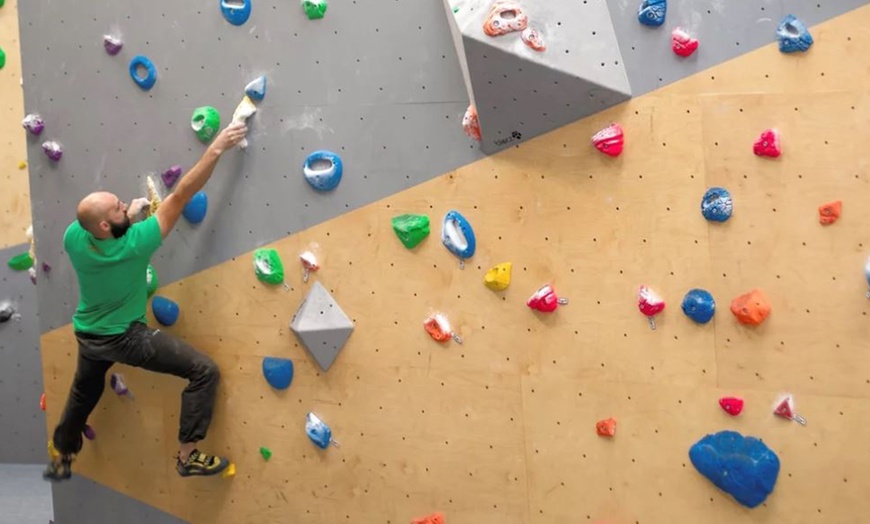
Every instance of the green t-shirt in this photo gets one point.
(112, 276)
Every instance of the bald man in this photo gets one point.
(110, 251)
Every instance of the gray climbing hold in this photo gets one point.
(321, 326)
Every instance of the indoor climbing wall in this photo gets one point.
(502, 428)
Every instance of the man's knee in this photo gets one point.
(209, 371)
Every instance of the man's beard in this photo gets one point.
(119, 230)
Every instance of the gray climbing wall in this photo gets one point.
(378, 84)
(83, 501)
(22, 423)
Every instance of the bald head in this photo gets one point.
(99, 212)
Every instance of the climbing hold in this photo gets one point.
(21, 262)
(268, 266)
(323, 170)
(768, 144)
(435, 518)
(717, 205)
(314, 9)
(751, 308)
(610, 140)
(458, 236)
(32, 273)
(33, 123)
(165, 311)
(171, 176)
(230, 472)
(52, 150)
(867, 275)
(112, 44)
(22, 164)
(309, 264)
(89, 432)
(244, 110)
(318, 431)
(411, 229)
(153, 196)
(236, 12)
(266, 453)
(606, 428)
(439, 328)
(793, 35)
(151, 280)
(505, 17)
(278, 372)
(830, 212)
(743, 467)
(471, 123)
(650, 304)
(119, 386)
(42, 402)
(206, 122)
(2, 58)
(256, 89)
(785, 409)
(498, 278)
(146, 82)
(545, 300)
(532, 38)
(6, 312)
(652, 12)
(683, 44)
(732, 405)
(46, 268)
(698, 304)
(195, 210)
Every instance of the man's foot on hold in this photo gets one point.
(199, 463)
(58, 469)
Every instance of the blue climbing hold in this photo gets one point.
(652, 12)
(323, 178)
(146, 82)
(698, 304)
(717, 205)
(196, 209)
(278, 372)
(318, 431)
(165, 311)
(257, 88)
(793, 35)
(743, 467)
(457, 235)
(234, 12)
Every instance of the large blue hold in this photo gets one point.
(743, 467)
(165, 311)
(234, 13)
(652, 12)
(146, 82)
(793, 35)
(323, 179)
(698, 304)
(717, 205)
(278, 372)
(455, 224)
(196, 209)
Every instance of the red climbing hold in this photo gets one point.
(606, 428)
(732, 405)
(785, 409)
(532, 38)
(683, 43)
(610, 140)
(504, 17)
(830, 212)
(471, 123)
(435, 518)
(545, 300)
(42, 402)
(768, 144)
(650, 304)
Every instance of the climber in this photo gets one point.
(110, 248)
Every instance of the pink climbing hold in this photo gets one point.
(471, 123)
(732, 405)
(768, 144)
(650, 304)
(682, 43)
(610, 140)
(785, 409)
(545, 300)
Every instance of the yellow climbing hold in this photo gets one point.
(499, 277)
(52, 452)
(154, 196)
(22, 164)
(230, 471)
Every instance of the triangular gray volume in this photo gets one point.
(321, 325)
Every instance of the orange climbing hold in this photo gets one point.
(751, 308)
(438, 328)
(42, 402)
(435, 518)
(606, 428)
(830, 212)
(505, 17)
(471, 123)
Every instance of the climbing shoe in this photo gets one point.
(58, 469)
(199, 463)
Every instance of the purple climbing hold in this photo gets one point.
(46, 268)
(112, 44)
(89, 432)
(33, 123)
(52, 149)
(118, 385)
(171, 175)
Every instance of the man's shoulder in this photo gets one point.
(74, 233)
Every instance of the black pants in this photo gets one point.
(147, 348)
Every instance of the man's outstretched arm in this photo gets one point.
(170, 210)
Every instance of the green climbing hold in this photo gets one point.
(2, 58)
(266, 453)
(2, 2)
(21, 262)
(151, 280)
(411, 229)
(314, 8)
(206, 121)
(268, 266)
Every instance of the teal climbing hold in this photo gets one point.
(278, 372)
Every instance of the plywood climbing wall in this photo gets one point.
(502, 428)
